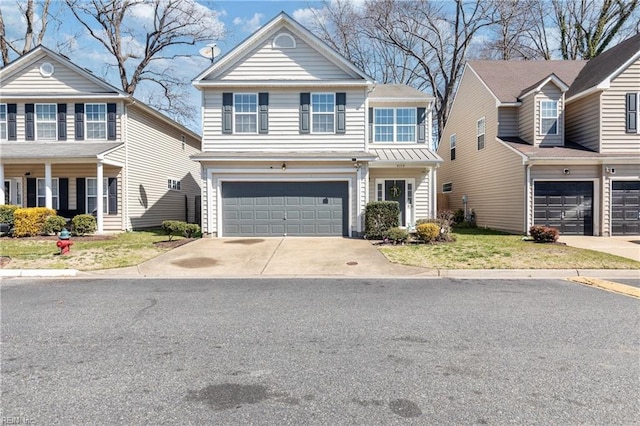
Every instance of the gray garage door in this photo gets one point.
(284, 208)
(625, 208)
(564, 205)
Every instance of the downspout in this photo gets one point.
(126, 219)
(527, 192)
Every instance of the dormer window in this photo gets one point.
(284, 41)
(548, 117)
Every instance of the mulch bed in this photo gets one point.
(173, 243)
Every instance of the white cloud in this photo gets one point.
(307, 16)
(249, 25)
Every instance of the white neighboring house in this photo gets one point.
(63, 131)
(297, 140)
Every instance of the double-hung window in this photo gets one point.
(452, 146)
(3, 122)
(46, 124)
(548, 117)
(96, 121)
(41, 193)
(323, 112)
(394, 124)
(480, 129)
(245, 112)
(92, 195)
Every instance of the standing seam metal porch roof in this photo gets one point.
(406, 155)
(59, 150)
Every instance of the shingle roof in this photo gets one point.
(18, 150)
(396, 91)
(569, 150)
(508, 79)
(604, 65)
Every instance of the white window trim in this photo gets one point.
(55, 196)
(453, 141)
(395, 125)
(450, 187)
(235, 114)
(484, 133)
(35, 122)
(86, 122)
(174, 184)
(105, 195)
(284, 35)
(5, 122)
(312, 113)
(557, 118)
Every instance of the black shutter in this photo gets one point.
(632, 113)
(341, 108)
(422, 131)
(113, 196)
(12, 128)
(370, 124)
(63, 193)
(305, 100)
(111, 122)
(80, 205)
(28, 122)
(62, 122)
(31, 193)
(79, 120)
(263, 111)
(227, 113)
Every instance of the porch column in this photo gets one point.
(48, 193)
(2, 193)
(99, 200)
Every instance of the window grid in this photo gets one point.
(246, 112)
(379, 192)
(323, 112)
(480, 130)
(452, 144)
(92, 195)
(395, 124)
(173, 184)
(96, 121)
(41, 193)
(409, 193)
(3, 122)
(46, 125)
(548, 117)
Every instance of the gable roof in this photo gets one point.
(395, 92)
(508, 80)
(282, 20)
(606, 66)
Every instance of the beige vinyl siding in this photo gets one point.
(614, 137)
(550, 92)
(493, 179)
(284, 128)
(300, 63)
(508, 121)
(63, 81)
(117, 155)
(421, 192)
(156, 154)
(527, 128)
(583, 121)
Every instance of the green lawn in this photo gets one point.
(117, 251)
(487, 249)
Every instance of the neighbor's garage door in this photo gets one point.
(284, 208)
(625, 208)
(564, 205)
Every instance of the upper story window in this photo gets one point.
(480, 130)
(452, 146)
(394, 124)
(245, 112)
(323, 112)
(96, 115)
(284, 41)
(632, 114)
(3, 122)
(548, 117)
(45, 119)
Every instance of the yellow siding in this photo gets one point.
(583, 121)
(614, 138)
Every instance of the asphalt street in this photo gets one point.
(318, 351)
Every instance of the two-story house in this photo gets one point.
(296, 140)
(71, 142)
(551, 143)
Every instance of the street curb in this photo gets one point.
(37, 273)
(627, 290)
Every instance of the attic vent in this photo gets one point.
(46, 69)
(284, 41)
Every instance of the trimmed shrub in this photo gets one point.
(191, 230)
(54, 224)
(6, 214)
(30, 221)
(396, 235)
(380, 216)
(544, 234)
(84, 224)
(458, 216)
(174, 227)
(428, 232)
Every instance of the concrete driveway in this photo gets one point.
(273, 257)
(628, 246)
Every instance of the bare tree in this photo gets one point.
(144, 38)
(34, 32)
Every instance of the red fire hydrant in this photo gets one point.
(64, 243)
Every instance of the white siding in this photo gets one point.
(614, 138)
(284, 133)
(583, 122)
(300, 63)
(156, 154)
(508, 121)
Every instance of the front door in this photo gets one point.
(395, 190)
